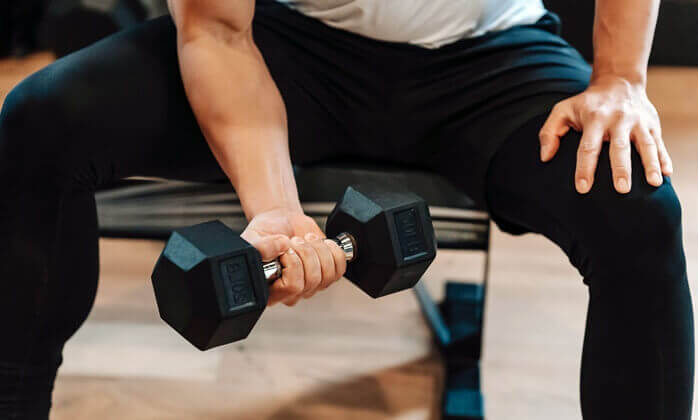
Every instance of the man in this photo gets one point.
(463, 88)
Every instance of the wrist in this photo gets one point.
(256, 207)
(261, 196)
(632, 77)
(261, 173)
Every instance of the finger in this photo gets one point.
(588, 157)
(271, 246)
(326, 263)
(647, 148)
(555, 126)
(292, 301)
(340, 261)
(312, 268)
(291, 282)
(619, 154)
(664, 158)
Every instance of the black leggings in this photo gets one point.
(118, 109)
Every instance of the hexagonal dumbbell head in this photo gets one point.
(209, 285)
(394, 237)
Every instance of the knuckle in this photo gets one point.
(341, 257)
(588, 147)
(620, 143)
(326, 265)
(293, 262)
(620, 170)
(271, 246)
(584, 172)
(325, 283)
(312, 282)
(584, 168)
(619, 114)
(313, 275)
(304, 250)
(295, 287)
(646, 141)
(328, 269)
(626, 110)
(597, 114)
(334, 247)
(339, 263)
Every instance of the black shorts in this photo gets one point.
(347, 95)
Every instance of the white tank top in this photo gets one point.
(429, 23)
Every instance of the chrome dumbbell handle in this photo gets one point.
(272, 270)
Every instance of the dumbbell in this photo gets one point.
(211, 286)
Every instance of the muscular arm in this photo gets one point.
(242, 116)
(235, 100)
(615, 107)
(623, 33)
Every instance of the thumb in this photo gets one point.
(309, 225)
(271, 246)
(556, 126)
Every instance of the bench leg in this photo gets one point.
(457, 325)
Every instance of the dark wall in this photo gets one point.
(18, 22)
(676, 39)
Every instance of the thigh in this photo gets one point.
(527, 195)
(639, 340)
(486, 89)
(118, 108)
(111, 110)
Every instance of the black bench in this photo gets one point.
(150, 209)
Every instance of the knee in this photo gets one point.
(32, 107)
(33, 121)
(635, 236)
(647, 217)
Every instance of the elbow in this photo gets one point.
(224, 22)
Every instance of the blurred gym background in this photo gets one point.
(341, 355)
(63, 26)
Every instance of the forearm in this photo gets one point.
(241, 114)
(623, 33)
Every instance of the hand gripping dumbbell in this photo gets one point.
(211, 286)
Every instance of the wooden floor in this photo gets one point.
(342, 355)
